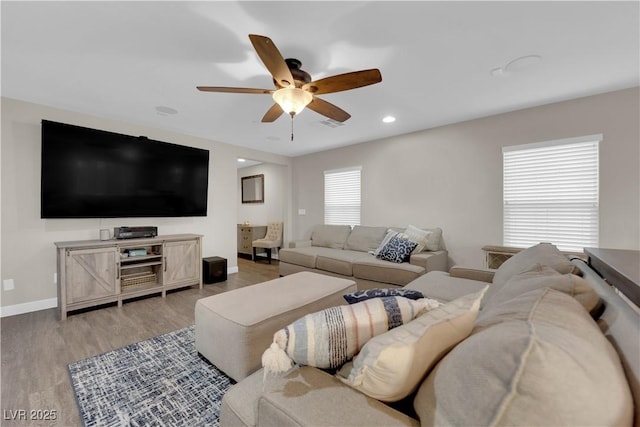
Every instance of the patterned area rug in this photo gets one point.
(158, 382)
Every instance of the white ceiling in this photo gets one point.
(122, 60)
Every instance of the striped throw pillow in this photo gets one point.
(329, 338)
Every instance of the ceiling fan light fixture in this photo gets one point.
(292, 100)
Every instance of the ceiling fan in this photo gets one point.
(294, 87)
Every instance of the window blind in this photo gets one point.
(550, 193)
(342, 196)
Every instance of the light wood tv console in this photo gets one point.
(95, 272)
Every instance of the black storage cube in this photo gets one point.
(214, 269)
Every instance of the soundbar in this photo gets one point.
(134, 232)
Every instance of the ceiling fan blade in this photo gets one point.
(328, 109)
(273, 60)
(272, 114)
(345, 81)
(233, 89)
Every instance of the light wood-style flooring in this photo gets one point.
(37, 347)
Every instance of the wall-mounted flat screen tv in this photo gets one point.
(89, 173)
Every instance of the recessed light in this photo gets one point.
(389, 119)
(241, 160)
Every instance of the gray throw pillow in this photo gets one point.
(543, 253)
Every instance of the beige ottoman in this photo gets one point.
(234, 328)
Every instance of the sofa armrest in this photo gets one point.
(472, 274)
(431, 261)
(300, 244)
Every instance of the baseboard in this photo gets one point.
(43, 304)
(28, 307)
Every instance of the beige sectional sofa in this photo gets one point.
(553, 344)
(339, 250)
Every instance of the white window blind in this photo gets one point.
(342, 196)
(550, 193)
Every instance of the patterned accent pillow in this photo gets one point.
(397, 250)
(327, 339)
(392, 365)
(387, 237)
(365, 294)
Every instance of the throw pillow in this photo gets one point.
(537, 277)
(397, 250)
(434, 241)
(550, 365)
(418, 236)
(365, 294)
(392, 365)
(542, 253)
(327, 339)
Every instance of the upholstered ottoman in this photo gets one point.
(234, 328)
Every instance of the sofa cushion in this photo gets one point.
(305, 257)
(541, 277)
(330, 236)
(543, 253)
(330, 337)
(441, 286)
(371, 268)
(390, 366)
(365, 294)
(338, 261)
(365, 239)
(546, 364)
(398, 249)
(312, 395)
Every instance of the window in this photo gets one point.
(342, 196)
(550, 193)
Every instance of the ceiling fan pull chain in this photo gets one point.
(291, 127)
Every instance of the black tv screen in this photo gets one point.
(89, 173)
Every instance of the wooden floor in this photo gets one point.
(37, 347)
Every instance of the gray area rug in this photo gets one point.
(158, 382)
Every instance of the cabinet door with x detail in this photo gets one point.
(91, 274)
(182, 262)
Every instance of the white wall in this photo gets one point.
(28, 251)
(277, 198)
(276, 191)
(451, 176)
